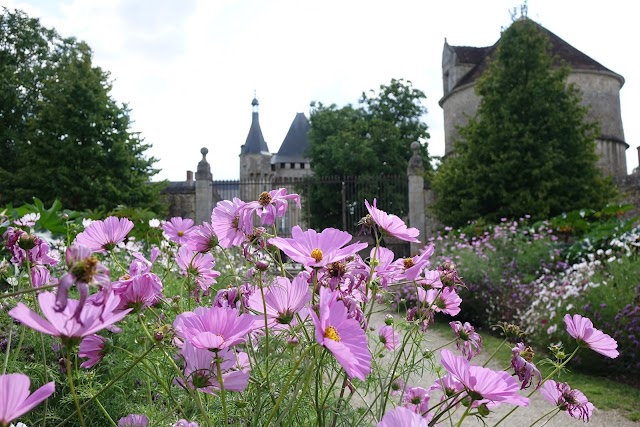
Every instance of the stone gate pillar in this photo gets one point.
(204, 189)
(415, 174)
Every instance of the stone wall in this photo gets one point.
(180, 197)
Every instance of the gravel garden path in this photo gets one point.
(522, 417)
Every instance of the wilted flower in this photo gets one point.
(523, 367)
(573, 401)
(467, 338)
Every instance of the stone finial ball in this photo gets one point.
(204, 151)
(415, 145)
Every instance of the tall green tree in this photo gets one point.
(371, 141)
(62, 135)
(529, 149)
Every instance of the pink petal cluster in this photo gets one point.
(467, 339)
(65, 324)
(483, 385)
(573, 401)
(402, 417)
(134, 420)
(390, 224)
(283, 300)
(214, 328)
(15, 398)
(341, 335)
(92, 347)
(313, 249)
(583, 331)
(225, 221)
(178, 229)
(198, 266)
(389, 338)
(444, 300)
(269, 206)
(416, 399)
(102, 236)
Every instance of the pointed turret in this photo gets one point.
(255, 143)
(296, 143)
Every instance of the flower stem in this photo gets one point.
(222, 392)
(27, 291)
(504, 341)
(67, 362)
(7, 350)
(556, 410)
(104, 411)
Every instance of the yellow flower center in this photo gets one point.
(332, 334)
(265, 198)
(180, 233)
(316, 254)
(408, 263)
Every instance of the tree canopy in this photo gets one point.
(529, 149)
(62, 135)
(371, 140)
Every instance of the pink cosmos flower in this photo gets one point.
(201, 371)
(139, 292)
(283, 300)
(448, 385)
(390, 224)
(444, 300)
(388, 337)
(178, 229)
(467, 338)
(482, 384)
(523, 367)
(134, 420)
(103, 236)
(583, 331)
(269, 206)
(225, 220)
(402, 417)
(341, 335)
(84, 269)
(93, 347)
(410, 268)
(203, 238)
(15, 399)
(66, 324)
(185, 423)
(199, 266)
(573, 401)
(383, 269)
(314, 249)
(22, 245)
(416, 399)
(214, 328)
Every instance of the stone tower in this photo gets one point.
(255, 160)
(600, 87)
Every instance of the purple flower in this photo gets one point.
(467, 338)
(390, 224)
(92, 347)
(269, 206)
(65, 324)
(402, 417)
(482, 384)
(524, 369)
(388, 337)
(583, 331)
(573, 401)
(203, 238)
(103, 236)
(314, 249)
(416, 399)
(215, 328)
(201, 371)
(225, 220)
(283, 300)
(178, 229)
(444, 300)
(139, 292)
(341, 335)
(134, 420)
(84, 269)
(199, 266)
(15, 399)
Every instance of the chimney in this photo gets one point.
(189, 176)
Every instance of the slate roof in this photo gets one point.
(559, 48)
(296, 143)
(255, 143)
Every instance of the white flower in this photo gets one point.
(29, 220)
(154, 223)
(86, 222)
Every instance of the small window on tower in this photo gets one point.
(273, 168)
(301, 165)
(293, 165)
(281, 165)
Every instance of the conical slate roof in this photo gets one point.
(559, 48)
(296, 143)
(255, 143)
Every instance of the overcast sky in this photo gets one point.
(188, 68)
